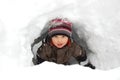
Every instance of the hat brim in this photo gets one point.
(60, 32)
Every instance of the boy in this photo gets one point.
(59, 47)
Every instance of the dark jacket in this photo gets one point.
(63, 55)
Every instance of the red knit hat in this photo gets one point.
(60, 26)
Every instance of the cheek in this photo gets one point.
(65, 40)
(53, 41)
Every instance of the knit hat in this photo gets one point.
(60, 26)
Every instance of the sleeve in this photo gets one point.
(37, 60)
(44, 52)
(81, 54)
(83, 60)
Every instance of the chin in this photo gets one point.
(59, 46)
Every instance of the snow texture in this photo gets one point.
(97, 22)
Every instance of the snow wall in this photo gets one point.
(97, 22)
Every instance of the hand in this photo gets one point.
(44, 51)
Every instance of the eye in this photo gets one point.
(63, 36)
(55, 36)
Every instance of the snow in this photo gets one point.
(22, 20)
(53, 71)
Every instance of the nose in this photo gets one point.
(59, 39)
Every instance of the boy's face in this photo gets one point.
(59, 40)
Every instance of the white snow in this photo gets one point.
(58, 72)
(22, 20)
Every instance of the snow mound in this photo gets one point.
(96, 22)
(54, 71)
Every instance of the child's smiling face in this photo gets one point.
(59, 40)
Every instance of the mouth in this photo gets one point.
(59, 44)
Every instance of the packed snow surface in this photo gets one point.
(97, 22)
